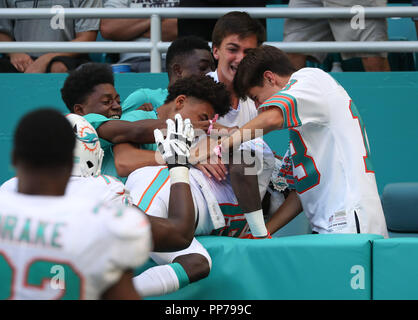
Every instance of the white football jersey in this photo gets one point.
(150, 191)
(101, 187)
(330, 153)
(245, 112)
(67, 247)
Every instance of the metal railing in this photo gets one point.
(155, 46)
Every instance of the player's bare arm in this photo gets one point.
(140, 131)
(267, 121)
(290, 208)
(177, 231)
(128, 158)
(123, 289)
(120, 131)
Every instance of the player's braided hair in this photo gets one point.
(81, 82)
(203, 88)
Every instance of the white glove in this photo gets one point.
(175, 148)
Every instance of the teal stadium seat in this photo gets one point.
(274, 26)
(103, 57)
(400, 205)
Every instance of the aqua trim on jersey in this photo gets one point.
(301, 159)
(96, 120)
(181, 274)
(289, 85)
(368, 165)
(153, 188)
(144, 95)
(288, 104)
(235, 221)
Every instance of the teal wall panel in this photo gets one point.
(388, 103)
(21, 93)
(330, 267)
(395, 269)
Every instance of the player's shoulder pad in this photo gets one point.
(122, 221)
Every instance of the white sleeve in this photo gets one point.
(10, 185)
(149, 188)
(301, 100)
(115, 191)
(128, 239)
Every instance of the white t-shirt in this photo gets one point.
(67, 247)
(101, 187)
(334, 177)
(245, 111)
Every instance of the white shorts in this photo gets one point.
(162, 258)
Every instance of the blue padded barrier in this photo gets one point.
(395, 265)
(300, 267)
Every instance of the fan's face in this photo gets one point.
(104, 100)
(230, 53)
(199, 63)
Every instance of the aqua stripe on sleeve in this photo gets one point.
(153, 189)
(181, 274)
(288, 105)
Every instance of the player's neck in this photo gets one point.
(35, 183)
(164, 111)
(234, 101)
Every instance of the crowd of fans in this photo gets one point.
(139, 30)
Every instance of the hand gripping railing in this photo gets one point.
(155, 46)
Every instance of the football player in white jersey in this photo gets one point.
(334, 178)
(46, 251)
(173, 233)
(216, 213)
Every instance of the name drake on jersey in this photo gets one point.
(31, 231)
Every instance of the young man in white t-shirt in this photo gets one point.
(233, 34)
(334, 177)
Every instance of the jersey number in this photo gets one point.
(235, 222)
(311, 176)
(37, 272)
(368, 166)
